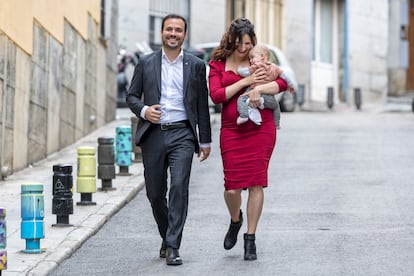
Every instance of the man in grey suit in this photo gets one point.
(169, 95)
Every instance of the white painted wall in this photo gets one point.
(397, 48)
(133, 22)
(298, 39)
(368, 47)
(368, 44)
(207, 21)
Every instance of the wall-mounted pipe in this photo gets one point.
(345, 77)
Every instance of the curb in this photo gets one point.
(87, 228)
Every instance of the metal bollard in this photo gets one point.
(3, 240)
(86, 182)
(301, 94)
(330, 100)
(106, 162)
(123, 149)
(357, 98)
(135, 148)
(32, 213)
(62, 202)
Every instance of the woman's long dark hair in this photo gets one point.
(234, 33)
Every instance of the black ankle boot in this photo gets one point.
(231, 236)
(250, 247)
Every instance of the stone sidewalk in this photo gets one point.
(60, 242)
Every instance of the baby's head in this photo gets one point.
(259, 53)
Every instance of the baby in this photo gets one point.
(259, 58)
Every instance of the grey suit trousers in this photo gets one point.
(174, 150)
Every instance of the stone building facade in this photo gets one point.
(339, 44)
(57, 75)
(140, 22)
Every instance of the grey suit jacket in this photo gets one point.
(145, 89)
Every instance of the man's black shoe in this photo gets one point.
(163, 250)
(173, 257)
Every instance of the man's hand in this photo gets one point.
(153, 113)
(204, 153)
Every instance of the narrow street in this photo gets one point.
(339, 202)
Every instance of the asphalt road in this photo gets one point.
(340, 202)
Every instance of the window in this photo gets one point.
(154, 33)
(322, 31)
(326, 31)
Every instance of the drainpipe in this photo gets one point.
(188, 11)
(232, 12)
(103, 19)
(345, 80)
(309, 92)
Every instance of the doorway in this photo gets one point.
(324, 68)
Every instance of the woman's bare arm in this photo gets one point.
(267, 88)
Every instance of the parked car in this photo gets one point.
(287, 100)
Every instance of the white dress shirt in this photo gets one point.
(172, 92)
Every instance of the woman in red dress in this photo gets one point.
(245, 149)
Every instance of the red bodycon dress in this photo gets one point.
(246, 149)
